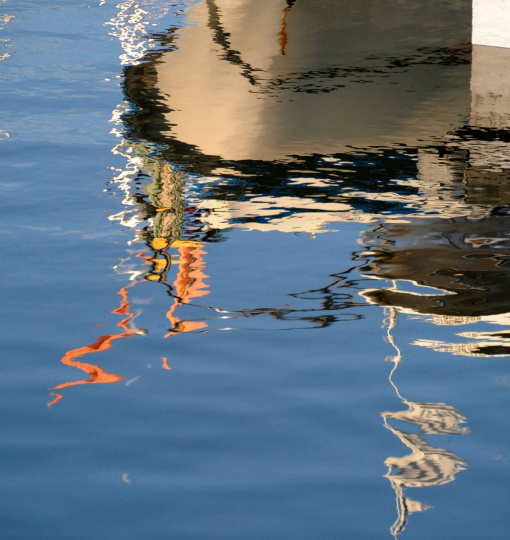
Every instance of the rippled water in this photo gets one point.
(298, 213)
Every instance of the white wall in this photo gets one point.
(491, 23)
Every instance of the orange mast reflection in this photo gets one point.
(103, 343)
(188, 284)
(284, 38)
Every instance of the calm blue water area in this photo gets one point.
(252, 287)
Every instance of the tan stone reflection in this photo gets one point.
(244, 83)
(490, 87)
(426, 465)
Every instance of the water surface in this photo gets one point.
(255, 258)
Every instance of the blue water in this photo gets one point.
(228, 316)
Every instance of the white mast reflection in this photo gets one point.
(426, 465)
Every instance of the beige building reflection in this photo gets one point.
(267, 79)
(241, 85)
(254, 82)
(258, 81)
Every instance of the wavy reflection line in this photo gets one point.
(189, 284)
(426, 465)
(97, 374)
(221, 38)
(284, 38)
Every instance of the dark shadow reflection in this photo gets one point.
(464, 262)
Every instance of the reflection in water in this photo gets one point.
(295, 142)
(224, 89)
(284, 134)
(464, 263)
(166, 217)
(427, 465)
(130, 27)
(249, 117)
(484, 344)
(103, 343)
(401, 188)
(284, 38)
(189, 284)
(5, 52)
(452, 269)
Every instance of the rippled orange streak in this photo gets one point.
(284, 38)
(188, 284)
(58, 397)
(103, 343)
(97, 375)
(190, 277)
(124, 308)
(165, 362)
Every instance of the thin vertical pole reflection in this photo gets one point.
(426, 465)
